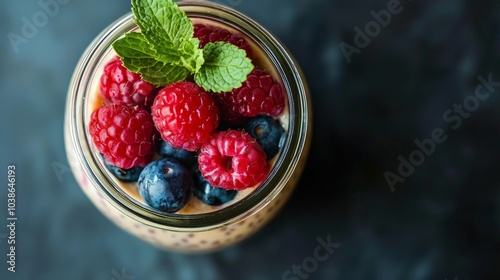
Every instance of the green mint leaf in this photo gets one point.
(169, 30)
(191, 56)
(163, 74)
(162, 22)
(165, 50)
(226, 67)
(196, 60)
(138, 56)
(137, 50)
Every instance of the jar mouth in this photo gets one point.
(286, 162)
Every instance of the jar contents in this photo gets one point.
(188, 117)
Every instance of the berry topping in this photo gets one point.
(120, 86)
(185, 115)
(208, 194)
(268, 132)
(211, 34)
(125, 175)
(260, 94)
(184, 156)
(124, 135)
(166, 185)
(233, 160)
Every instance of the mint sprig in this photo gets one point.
(226, 67)
(165, 50)
(137, 56)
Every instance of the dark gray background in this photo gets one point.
(443, 222)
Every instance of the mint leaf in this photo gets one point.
(162, 22)
(194, 62)
(166, 52)
(169, 30)
(226, 67)
(137, 50)
(138, 56)
(162, 74)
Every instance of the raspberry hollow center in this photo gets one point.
(227, 163)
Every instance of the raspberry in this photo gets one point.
(211, 34)
(185, 115)
(260, 94)
(120, 86)
(124, 134)
(233, 160)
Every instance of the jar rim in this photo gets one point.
(295, 143)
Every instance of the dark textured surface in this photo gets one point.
(443, 222)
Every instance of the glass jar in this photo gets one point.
(194, 232)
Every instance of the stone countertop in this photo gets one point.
(403, 171)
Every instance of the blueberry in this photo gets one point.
(268, 132)
(208, 194)
(125, 175)
(186, 157)
(166, 185)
